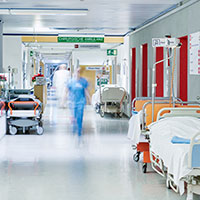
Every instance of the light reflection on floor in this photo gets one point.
(54, 167)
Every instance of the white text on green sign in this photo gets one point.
(81, 39)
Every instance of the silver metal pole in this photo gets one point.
(154, 83)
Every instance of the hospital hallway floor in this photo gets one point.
(54, 167)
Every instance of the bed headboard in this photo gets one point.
(179, 112)
(112, 94)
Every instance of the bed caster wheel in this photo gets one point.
(101, 113)
(40, 130)
(144, 167)
(40, 124)
(136, 157)
(115, 115)
(97, 108)
(168, 184)
(12, 130)
(120, 114)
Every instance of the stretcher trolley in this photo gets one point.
(24, 112)
(111, 100)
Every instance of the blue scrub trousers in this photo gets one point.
(78, 117)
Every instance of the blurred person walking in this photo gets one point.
(61, 76)
(77, 89)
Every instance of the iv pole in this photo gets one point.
(154, 85)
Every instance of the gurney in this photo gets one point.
(109, 99)
(24, 112)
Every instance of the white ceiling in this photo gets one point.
(105, 17)
(110, 17)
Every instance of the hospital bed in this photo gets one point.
(24, 112)
(109, 99)
(159, 153)
(175, 149)
(138, 131)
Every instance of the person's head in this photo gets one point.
(63, 67)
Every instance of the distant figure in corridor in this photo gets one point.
(61, 76)
(77, 89)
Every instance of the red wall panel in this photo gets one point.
(144, 69)
(159, 72)
(183, 77)
(133, 80)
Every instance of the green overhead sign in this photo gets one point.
(111, 52)
(81, 39)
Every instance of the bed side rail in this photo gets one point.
(175, 112)
(159, 105)
(138, 102)
(194, 152)
(23, 102)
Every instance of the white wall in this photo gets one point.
(124, 80)
(12, 56)
(89, 57)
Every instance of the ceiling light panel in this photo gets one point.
(29, 11)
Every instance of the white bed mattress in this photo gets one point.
(174, 156)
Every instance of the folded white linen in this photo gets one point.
(134, 130)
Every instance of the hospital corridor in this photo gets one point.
(100, 100)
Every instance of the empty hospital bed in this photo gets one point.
(141, 118)
(24, 112)
(109, 99)
(167, 160)
(175, 148)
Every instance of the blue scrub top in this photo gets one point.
(77, 90)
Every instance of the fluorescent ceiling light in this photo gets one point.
(41, 11)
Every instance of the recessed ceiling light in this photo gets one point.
(3, 1)
(42, 11)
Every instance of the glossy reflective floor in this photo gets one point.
(54, 167)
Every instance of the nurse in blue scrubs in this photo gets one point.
(78, 92)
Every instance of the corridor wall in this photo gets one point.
(12, 56)
(177, 24)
